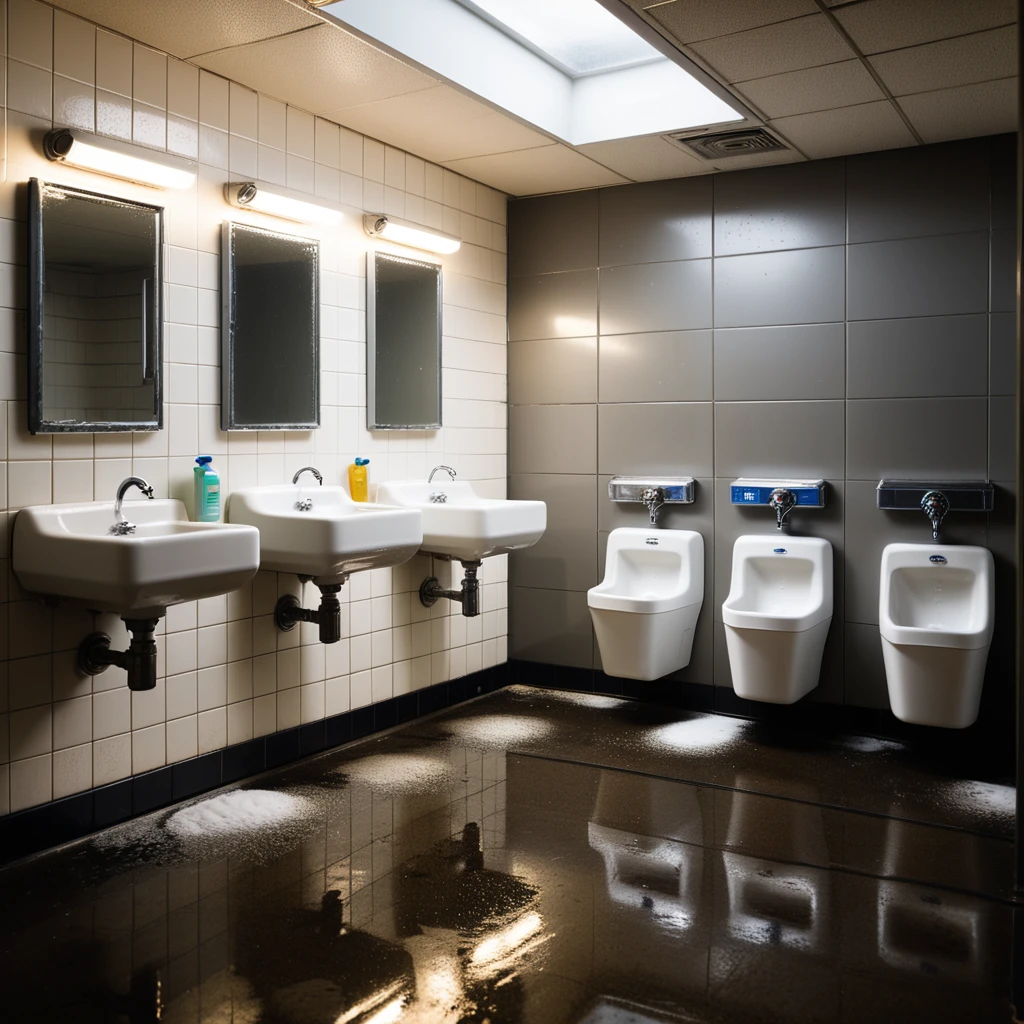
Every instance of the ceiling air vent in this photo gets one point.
(720, 145)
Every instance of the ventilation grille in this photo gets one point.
(720, 145)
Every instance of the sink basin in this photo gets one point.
(67, 551)
(335, 537)
(464, 525)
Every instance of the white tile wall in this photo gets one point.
(226, 674)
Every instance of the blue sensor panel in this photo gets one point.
(808, 493)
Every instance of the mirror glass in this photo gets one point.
(403, 343)
(95, 325)
(270, 365)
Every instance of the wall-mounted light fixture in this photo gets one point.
(247, 195)
(118, 160)
(379, 225)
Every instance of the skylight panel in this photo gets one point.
(579, 35)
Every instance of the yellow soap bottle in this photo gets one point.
(357, 479)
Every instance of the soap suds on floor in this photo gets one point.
(870, 744)
(244, 810)
(399, 773)
(581, 700)
(498, 732)
(704, 735)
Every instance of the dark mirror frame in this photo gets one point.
(371, 340)
(153, 344)
(227, 331)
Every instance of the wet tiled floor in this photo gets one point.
(541, 858)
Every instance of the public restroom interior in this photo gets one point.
(668, 669)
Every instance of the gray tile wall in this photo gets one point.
(845, 318)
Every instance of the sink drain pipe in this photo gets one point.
(139, 661)
(431, 591)
(288, 612)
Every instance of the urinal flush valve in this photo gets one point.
(653, 498)
(782, 501)
(935, 506)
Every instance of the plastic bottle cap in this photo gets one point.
(204, 460)
(362, 462)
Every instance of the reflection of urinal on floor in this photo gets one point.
(777, 898)
(920, 928)
(649, 831)
(936, 620)
(939, 932)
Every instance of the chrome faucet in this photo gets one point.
(438, 469)
(653, 498)
(121, 526)
(935, 506)
(309, 469)
(305, 504)
(781, 501)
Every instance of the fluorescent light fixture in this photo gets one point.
(406, 233)
(105, 156)
(247, 195)
(578, 35)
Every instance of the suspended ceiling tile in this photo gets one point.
(528, 172)
(981, 57)
(859, 129)
(967, 111)
(318, 69)
(693, 20)
(188, 27)
(774, 49)
(879, 25)
(802, 92)
(439, 124)
(650, 158)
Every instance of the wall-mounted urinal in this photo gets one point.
(936, 619)
(777, 615)
(645, 610)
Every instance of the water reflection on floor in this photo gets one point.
(422, 879)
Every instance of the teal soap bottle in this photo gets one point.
(207, 486)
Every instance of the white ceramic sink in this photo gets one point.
(336, 536)
(464, 525)
(67, 551)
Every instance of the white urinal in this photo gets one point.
(645, 610)
(935, 614)
(777, 615)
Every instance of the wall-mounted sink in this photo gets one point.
(68, 551)
(458, 523)
(331, 538)
(136, 564)
(320, 533)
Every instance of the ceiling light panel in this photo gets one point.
(579, 35)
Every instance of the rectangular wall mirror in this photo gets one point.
(403, 343)
(270, 351)
(95, 325)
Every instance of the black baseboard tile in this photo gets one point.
(152, 790)
(282, 747)
(198, 774)
(312, 738)
(338, 729)
(243, 760)
(362, 722)
(112, 804)
(38, 828)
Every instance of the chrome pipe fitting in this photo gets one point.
(935, 506)
(781, 501)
